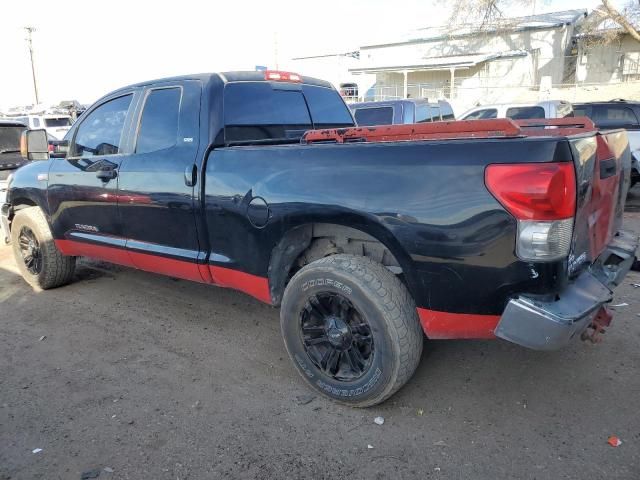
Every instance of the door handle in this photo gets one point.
(190, 175)
(107, 173)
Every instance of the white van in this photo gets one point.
(521, 111)
(56, 125)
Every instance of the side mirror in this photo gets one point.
(34, 145)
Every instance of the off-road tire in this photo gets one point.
(385, 303)
(56, 269)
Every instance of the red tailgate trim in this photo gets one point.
(257, 287)
(445, 325)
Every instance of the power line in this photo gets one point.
(30, 30)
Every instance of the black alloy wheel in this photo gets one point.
(336, 337)
(30, 250)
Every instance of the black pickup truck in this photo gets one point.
(367, 238)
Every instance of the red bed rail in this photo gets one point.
(494, 128)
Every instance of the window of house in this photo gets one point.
(100, 132)
(482, 114)
(159, 123)
(519, 113)
(374, 116)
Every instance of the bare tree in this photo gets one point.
(483, 15)
(627, 19)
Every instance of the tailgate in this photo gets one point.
(602, 163)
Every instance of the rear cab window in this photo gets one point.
(370, 116)
(521, 113)
(261, 111)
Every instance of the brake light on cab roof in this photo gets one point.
(279, 76)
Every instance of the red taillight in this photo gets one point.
(282, 76)
(534, 191)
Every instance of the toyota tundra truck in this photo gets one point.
(368, 239)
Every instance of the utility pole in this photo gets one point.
(30, 30)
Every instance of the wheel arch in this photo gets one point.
(307, 241)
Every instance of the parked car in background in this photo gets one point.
(10, 158)
(56, 125)
(394, 112)
(613, 114)
(520, 111)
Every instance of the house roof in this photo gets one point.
(444, 63)
(541, 21)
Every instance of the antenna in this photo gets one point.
(30, 30)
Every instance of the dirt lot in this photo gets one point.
(153, 378)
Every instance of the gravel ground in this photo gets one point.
(137, 376)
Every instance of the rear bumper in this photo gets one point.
(549, 325)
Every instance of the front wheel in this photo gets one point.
(36, 255)
(351, 329)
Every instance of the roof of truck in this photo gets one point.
(233, 76)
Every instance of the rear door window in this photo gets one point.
(159, 123)
(256, 111)
(521, 113)
(374, 116)
(614, 116)
(482, 114)
(101, 131)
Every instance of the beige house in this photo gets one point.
(521, 52)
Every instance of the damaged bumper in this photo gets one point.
(549, 325)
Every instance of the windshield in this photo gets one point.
(57, 122)
(10, 138)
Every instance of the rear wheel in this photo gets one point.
(351, 329)
(36, 255)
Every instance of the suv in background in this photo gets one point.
(617, 114)
(395, 112)
(521, 111)
(56, 125)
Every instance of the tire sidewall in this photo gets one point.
(319, 280)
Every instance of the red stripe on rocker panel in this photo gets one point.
(91, 250)
(257, 287)
(166, 266)
(444, 325)
(128, 258)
